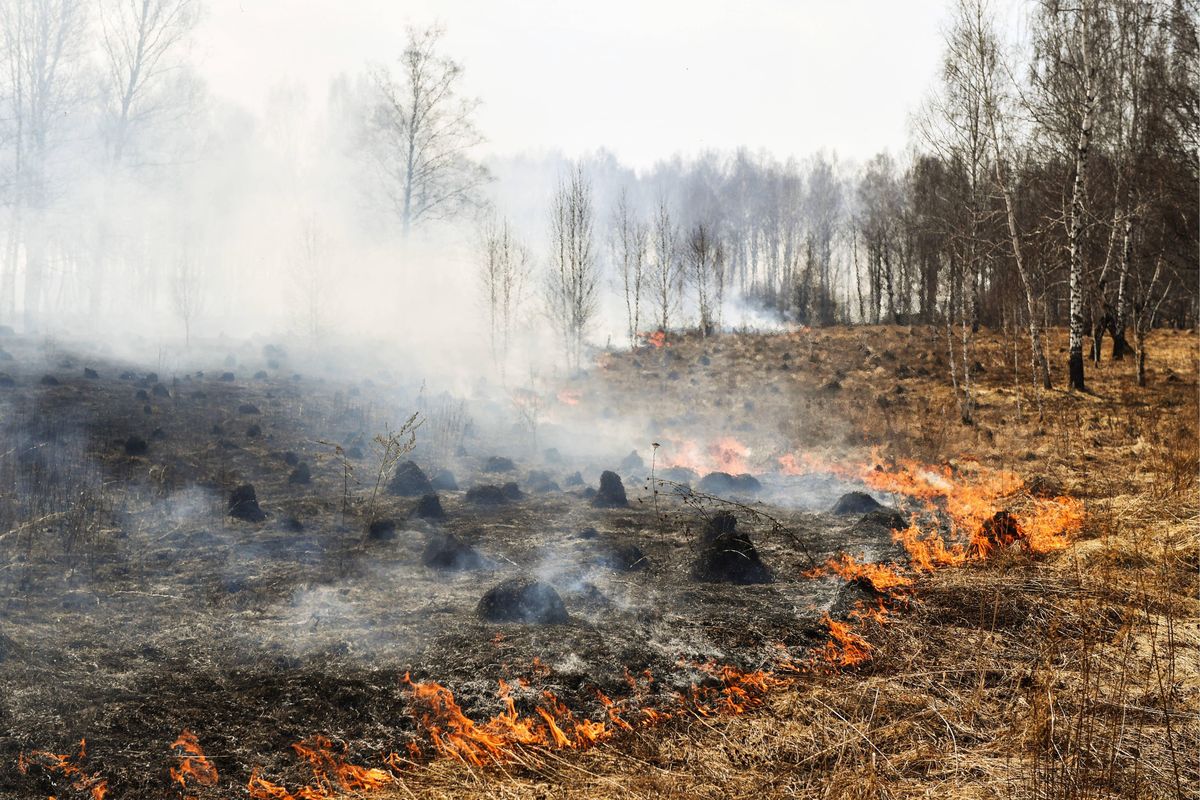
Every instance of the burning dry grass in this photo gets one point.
(1015, 674)
(1040, 653)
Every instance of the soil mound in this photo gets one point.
(724, 483)
(727, 555)
(409, 481)
(611, 493)
(243, 504)
(856, 503)
(499, 464)
(487, 494)
(523, 600)
(430, 507)
(447, 551)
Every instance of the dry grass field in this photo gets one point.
(205, 657)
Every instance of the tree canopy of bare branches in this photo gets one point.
(422, 133)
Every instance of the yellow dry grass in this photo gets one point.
(1070, 676)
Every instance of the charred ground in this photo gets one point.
(136, 607)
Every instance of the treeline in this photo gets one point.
(1049, 181)
(1059, 189)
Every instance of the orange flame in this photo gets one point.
(657, 339)
(845, 648)
(68, 767)
(456, 735)
(332, 775)
(968, 499)
(570, 397)
(194, 766)
(724, 454)
(883, 578)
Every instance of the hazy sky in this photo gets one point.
(644, 79)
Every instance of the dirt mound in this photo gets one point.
(430, 507)
(243, 504)
(855, 503)
(677, 474)
(382, 530)
(625, 558)
(727, 555)
(499, 464)
(487, 494)
(444, 481)
(1002, 530)
(541, 482)
(447, 551)
(611, 493)
(632, 462)
(724, 483)
(409, 481)
(889, 518)
(511, 491)
(523, 600)
(300, 475)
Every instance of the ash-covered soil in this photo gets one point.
(134, 605)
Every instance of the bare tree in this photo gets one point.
(504, 274)
(706, 272)
(979, 50)
(422, 133)
(141, 41)
(187, 289)
(666, 272)
(571, 283)
(1145, 308)
(1069, 46)
(43, 48)
(630, 242)
(310, 275)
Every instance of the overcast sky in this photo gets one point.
(644, 79)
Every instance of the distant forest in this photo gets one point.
(1049, 181)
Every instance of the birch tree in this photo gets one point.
(665, 268)
(504, 273)
(43, 54)
(572, 281)
(629, 241)
(706, 272)
(422, 133)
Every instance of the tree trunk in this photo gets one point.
(1120, 346)
(1041, 367)
(1141, 360)
(1075, 232)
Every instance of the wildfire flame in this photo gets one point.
(68, 767)
(454, 734)
(194, 767)
(883, 578)
(569, 397)
(963, 499)
(656, 339)
(982, 509)
(332, 775)
(725, 454)
(845, 648)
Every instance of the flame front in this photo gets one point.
(194, 767)
(68, 767)
(332, 775)
(883, 578)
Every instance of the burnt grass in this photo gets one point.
(135, 606)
